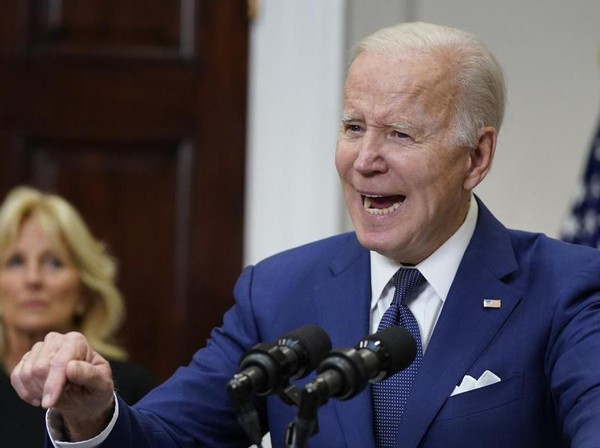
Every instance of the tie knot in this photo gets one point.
(407, 280)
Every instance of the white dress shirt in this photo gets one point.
(439, 269)
(53, 422)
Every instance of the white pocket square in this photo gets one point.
(469, 383)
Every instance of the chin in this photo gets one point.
(384, 244)
(391, 245)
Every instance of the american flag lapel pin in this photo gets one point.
(492, 303)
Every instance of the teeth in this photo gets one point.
(378, 211)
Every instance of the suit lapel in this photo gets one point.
(465, 327)
(343, 305)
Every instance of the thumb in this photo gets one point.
(77, 376)
(89, 375)
(87, 401)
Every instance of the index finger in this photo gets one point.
(30, 374)
(74, 348)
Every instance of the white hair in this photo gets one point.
(479, 77)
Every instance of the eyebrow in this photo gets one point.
(400, 126)
(347, 118)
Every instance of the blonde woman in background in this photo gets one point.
(54, 276)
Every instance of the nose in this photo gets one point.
(370, 158)
(33, 275)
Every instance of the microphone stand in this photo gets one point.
(305, 424)
(327, 384)
(245, 411)
(241, 397)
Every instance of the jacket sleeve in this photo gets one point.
(192, 408)
(573, 355)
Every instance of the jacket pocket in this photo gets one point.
(482, 399)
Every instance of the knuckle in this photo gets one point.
(73, 335)
(51, 336)
(26, 377)
(54, 363)
(38, 372)
(37, 346)
(76, 340)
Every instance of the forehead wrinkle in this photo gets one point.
(434, 90)
(384, 100)
(434, 100)
(383, 110)
(439, 88)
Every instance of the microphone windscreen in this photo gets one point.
(315, 342)
(400, 345)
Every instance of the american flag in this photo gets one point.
(582, 224)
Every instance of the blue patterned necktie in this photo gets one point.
(390, 395)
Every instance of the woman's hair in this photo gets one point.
(104, 310)
(479, 77)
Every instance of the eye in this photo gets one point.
(352, 128)
(53, 262)
(399, 134)
(14, 261)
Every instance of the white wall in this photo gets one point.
(549, 50)
(296, 68)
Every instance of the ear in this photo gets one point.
(481, 156)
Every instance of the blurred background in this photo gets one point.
(198, 136)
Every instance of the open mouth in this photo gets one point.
(381, 205)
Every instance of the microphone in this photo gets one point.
(346, 372)
(267, 368)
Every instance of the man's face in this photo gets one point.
(403, 178)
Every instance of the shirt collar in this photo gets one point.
(439, 269)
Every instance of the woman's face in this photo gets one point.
(40, 287)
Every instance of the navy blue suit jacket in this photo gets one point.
(544, 344)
